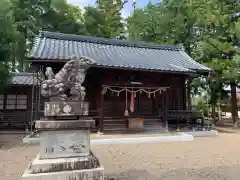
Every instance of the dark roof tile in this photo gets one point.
(23, 78)
(113, 52)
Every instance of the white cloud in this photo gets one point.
(81, 3)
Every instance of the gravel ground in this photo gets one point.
(209, 158)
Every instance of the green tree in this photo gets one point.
(63, 17)
(144, 23)
(26, 14)
(169, 22)
(220, 45)
(205, 29)
(112, 26)
(7, 41)
(94, 22)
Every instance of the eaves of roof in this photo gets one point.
(23, 78)
(113, 53)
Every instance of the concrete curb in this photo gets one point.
(29, 140)
(174, 138)
(178, 138)
(202, 133)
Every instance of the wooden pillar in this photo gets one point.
(154, 105)
(178, 99)
(166, 108)
(39, 83)
(188, 93)
(157, 103)
(138, 103)
(101, 123)
(163, 107)
(32, 105)
(193, 123)
(202, 124)
(36, 95)
(178, 128)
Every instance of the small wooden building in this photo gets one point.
(150, 78)
(18, 101)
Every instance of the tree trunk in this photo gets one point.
(21, 54)
(21, 49)
(214, 99)
(234, 103)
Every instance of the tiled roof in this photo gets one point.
(23, 78)
(113, 53)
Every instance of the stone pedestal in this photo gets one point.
(63, 144)
(71, 168)
(84, 174)
(65, 152)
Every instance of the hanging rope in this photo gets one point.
(149, 91)
(126, 113)
(132, 103)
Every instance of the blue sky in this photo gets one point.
(126, 11)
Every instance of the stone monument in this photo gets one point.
(65, 152)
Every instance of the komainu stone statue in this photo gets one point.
(71, 76)
(65, 151)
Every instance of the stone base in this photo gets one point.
(64, 144)
(66, 108)
(49, 125)
(86, 174)
(63, 164)
(78, 168)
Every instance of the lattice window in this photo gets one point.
(1, 101)
(16, 101)
(11, 101)
(21, 102)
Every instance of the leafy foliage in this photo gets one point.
(26, 16)
(94, 22)
(7, 41)
(62, 17)
(112, 24)
(209, 32)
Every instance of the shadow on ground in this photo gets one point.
(226, 129)
(11, 140)
(206, 173)
(132, 174)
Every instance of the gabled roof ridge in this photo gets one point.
(106, 41)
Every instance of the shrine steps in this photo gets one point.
(121, 125)
(115, 125)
